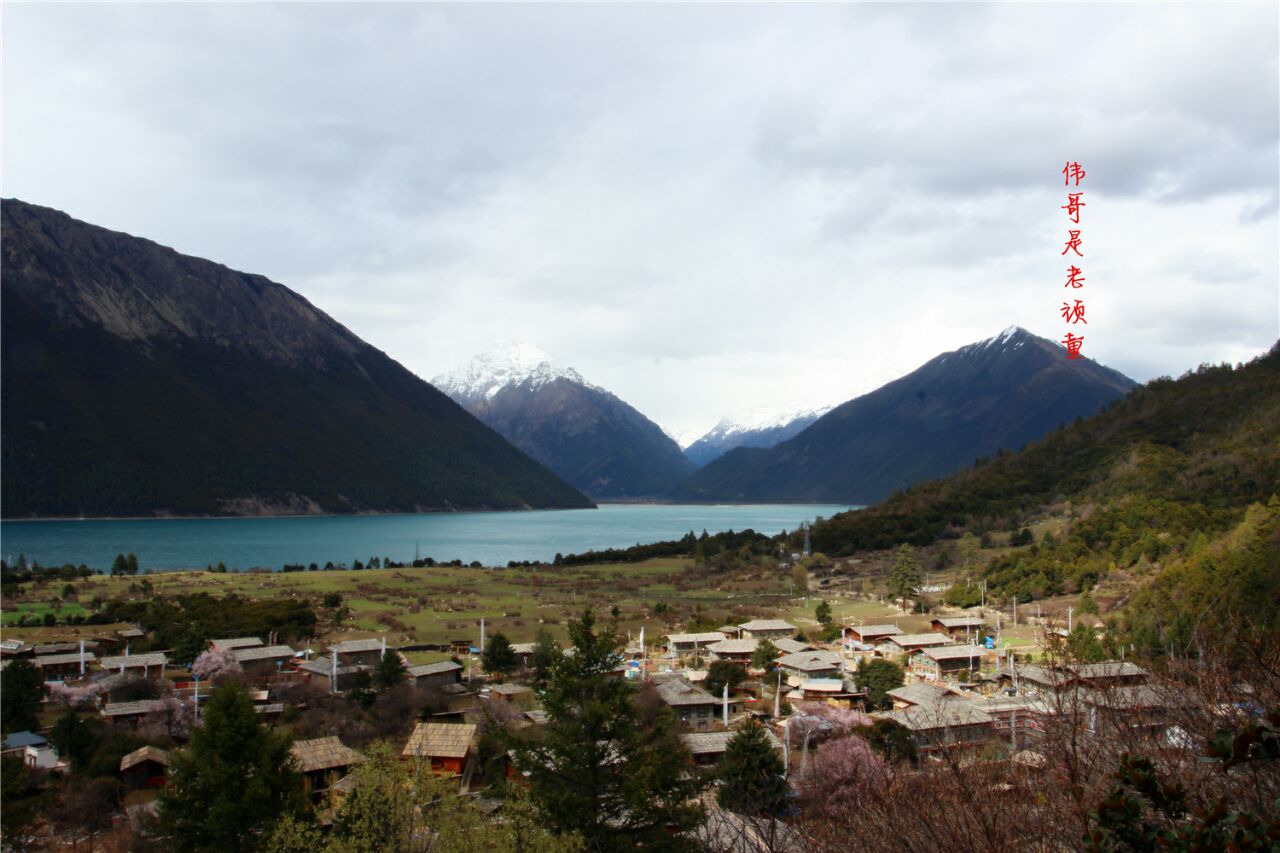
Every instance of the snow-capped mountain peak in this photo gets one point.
(761, 418)
(504, 364)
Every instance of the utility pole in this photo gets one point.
(1070, 610)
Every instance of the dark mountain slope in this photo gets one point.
(1192, 452)
(138, 381)
(997, 394)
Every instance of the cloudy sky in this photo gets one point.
(703, 208)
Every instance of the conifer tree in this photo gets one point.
(498, 655)
(751, 775)
(234, 780)
(599, 769)
(905, 577)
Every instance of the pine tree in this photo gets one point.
(905, 577)
(765, 655)
(876, 678)
(599, 769)
(751, 775)
(235, 779)
(823, 614)
(498, 655)
(546, 651)
(21, 689)
(389, 672)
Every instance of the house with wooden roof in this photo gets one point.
(263, 661)
(706, 748)
(322, 762)
(868, 635)
(766, 628)
(959, 626)
(331, 677)
(947, 663)
(788, 646)
(921, 693)
(906, 644)
(150, 665)
(448, 746)
(831, 691)
(145, 767)
(366, 652)
(684, 644)
(693, 706)
(235, 643)
(65, 665)
(740, 651)
(943, 725)
(437, 674)
(131, 713)
(809, 665)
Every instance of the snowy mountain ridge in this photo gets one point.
(504, 364)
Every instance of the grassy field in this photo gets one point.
(445, 603)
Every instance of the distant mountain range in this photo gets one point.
(993, 395)
(760, 428)
(138, 381)
(580, 431)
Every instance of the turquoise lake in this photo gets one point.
(493, 538)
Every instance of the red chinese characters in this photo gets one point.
(1073, 312)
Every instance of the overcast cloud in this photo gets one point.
(703, 208)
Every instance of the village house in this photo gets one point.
(1131, 707)
(943, 725)
(906, 644)
(16, 743)
(1019, 720)
(706, 748)
(15, 648)
(145, 767)
(150, 665)
(687, 644)
(359, 652)
(959, 626)
(788, 646)
(322, 762)
(831, 691)
(263, 661)
(867, 636)
(693, 706)
(730, 631)
(516, 694)
(331, 677)
(234, 643)
(437, 674)
(921, 693)
(131, 713)
(738, 651)
(766, 628)
(803, 666)
(524, 653)
(448, 746)
(947, 663)
(1042, 680)
(62, 666)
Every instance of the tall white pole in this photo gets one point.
(333, 670)
(777, 697)
(726, 705)
(481, 635)
(82, 656)
(1070, 610)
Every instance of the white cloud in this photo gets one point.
(703, 208)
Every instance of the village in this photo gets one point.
(943, 681)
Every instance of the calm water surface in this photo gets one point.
(493, 538)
